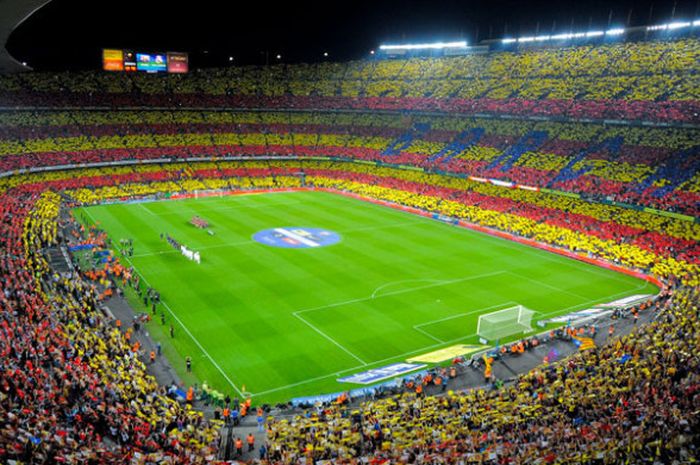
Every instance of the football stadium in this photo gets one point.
(476, 251)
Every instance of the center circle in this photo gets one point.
(295, 237)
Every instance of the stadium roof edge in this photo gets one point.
(12, 14)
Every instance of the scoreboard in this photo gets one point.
(127, 60)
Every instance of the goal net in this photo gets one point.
(503, 323)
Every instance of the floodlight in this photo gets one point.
(436, 45)
(614, 32)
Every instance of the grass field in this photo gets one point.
(287, 322)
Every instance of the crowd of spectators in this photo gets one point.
(663, 245)
(640, 238)
(72, 390)
(654, 80)
(648, 166)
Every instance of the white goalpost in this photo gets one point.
(503, 323)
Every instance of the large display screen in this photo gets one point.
(151, 63)
(112, 60)
(177, 62)
(128, 60)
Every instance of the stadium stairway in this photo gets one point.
(58, 260)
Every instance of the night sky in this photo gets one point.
(69, 34)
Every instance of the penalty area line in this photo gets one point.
(427, 334)
(452, 317)
(384, 286)
(422, 349)
(419, 327)
(412, 352)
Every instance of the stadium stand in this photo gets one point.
(609, 169)
(73, 391)
(654, 167)
(642, 80)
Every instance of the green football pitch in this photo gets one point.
(288, 322)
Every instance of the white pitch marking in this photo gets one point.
(551, 286)
(229, 244)
(140, 204)
(211, 359)
(251, 242)
(506, 243)
(362, 299)
(233, 207)
(344, 349)
(418, 327)
(383, 286)
(512, 244)
(425, 333)
(377, 362)
(452, 317)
